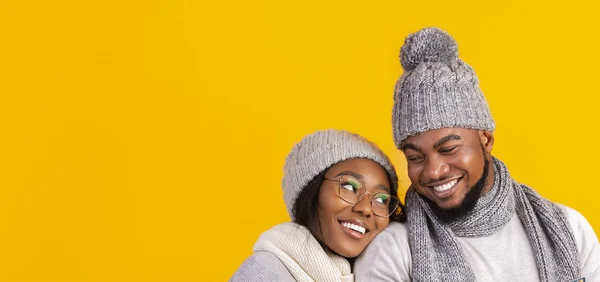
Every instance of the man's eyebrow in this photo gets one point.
(412, 146)
(446, 139)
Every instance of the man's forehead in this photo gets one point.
(430, 137)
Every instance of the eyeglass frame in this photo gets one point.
(362, 197)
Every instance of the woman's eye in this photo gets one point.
(349, 187)
(381, 199)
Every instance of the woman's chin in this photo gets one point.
(345, 252)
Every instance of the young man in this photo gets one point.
(468, 220)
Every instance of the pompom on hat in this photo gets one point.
(437, 89)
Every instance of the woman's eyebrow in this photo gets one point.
(351, 173)
(385, 188)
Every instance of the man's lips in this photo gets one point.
(438, 184)
(445, 188)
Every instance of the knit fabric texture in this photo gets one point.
(437, 256)
(260, 267)
(437, 89)
(302, 254)
(322, 149)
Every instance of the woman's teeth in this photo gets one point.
(354, 227)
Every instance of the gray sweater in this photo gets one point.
(503, 256)
(260, 267)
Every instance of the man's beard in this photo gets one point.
(468, 203)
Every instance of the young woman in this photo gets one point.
(340, 191)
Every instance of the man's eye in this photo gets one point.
(448, 149)
(414, 159)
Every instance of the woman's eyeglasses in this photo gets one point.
(353, 191)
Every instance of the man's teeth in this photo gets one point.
(354, 227)
(446, 186)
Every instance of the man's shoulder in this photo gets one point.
(575, 218)
(397, 228)
(395, 231)
(387, 257)
(586, 241)
(393, 237)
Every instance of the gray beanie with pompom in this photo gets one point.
(437, 89)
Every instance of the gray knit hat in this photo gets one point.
(322, 149)
(437, 89)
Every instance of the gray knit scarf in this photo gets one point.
(437, 256)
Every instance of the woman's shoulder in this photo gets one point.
(394, 236)
(262, 266)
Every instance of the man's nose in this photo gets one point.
(435, 169)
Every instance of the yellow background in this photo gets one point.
(145, 140)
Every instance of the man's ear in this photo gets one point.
(487, 140)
